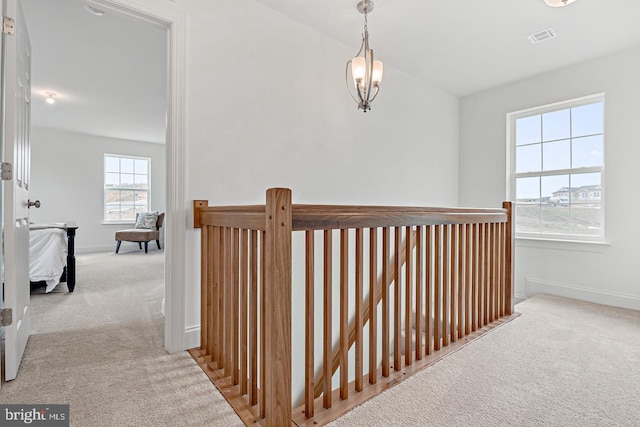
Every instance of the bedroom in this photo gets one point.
(456, 141)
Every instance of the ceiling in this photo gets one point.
(109, 72)
(466, 46)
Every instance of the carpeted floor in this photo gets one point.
(561, 363)
(100, 349)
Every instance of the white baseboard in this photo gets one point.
(191, 337)
(537, 286)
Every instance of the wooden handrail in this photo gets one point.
(382, 281)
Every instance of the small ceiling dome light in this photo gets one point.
(363, 72)
(92, 10)
(558, 3)
(50, 97)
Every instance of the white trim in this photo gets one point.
(174, 21)
(562, 244)
(192, 337)
(538, 286)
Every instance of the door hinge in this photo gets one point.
(6, 171)
(8, 26)
(6, 317)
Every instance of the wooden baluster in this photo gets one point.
(236, 307)
(461, 283)
(397, 301)
(253, 318)
(327, 340)
(501, 270)
(446, 291)
(419, 287)
(221, 298)
(454, 284)
(344, 314)
(309, 323)
(228, 279)
(494, 271)
(408, 282)
(263, 289)
(385, 301)
(475, 300)
(204, 288)
(244, 296)
(373, 306)
(359, 309)
(430, 265)
(467, 279)
(481, 296)
(487, 273)
(437, 329)
(212, 317)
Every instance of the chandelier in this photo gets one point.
(363, 71)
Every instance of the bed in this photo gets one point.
(51, 254)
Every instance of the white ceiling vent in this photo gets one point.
(540, 36)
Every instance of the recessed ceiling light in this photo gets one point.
(92, 10)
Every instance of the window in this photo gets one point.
(557, 167)
(126, 187)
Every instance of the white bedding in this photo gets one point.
(47, 255)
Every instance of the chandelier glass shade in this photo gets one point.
(363, 73)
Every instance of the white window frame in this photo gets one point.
(511, 166)
(104, 185)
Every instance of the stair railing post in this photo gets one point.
(277, 303)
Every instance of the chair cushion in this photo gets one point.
(137, 235)
(147, 220)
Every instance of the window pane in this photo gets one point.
(587, 119)
(112, 179)
(555, 190)
(556, 155)
(586, 219)
(556, 125)
(529, 158)
(528, 190)
(588, 151)
(556, 219)
(126, 180)
(586, 179)
(141, 166)
(527, 218)
(141, 181)
(528, 130)
(126, 165)
(112, 164)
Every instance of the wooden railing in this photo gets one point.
(425, 281)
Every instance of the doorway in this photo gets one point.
(173, 28)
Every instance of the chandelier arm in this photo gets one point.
(375, 93)
(346, 76)
(369, 73)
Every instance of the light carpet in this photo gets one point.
(100, 349)
(561, 363)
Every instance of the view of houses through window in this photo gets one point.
(558, 165)
(126, 187)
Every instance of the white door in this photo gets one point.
(16, 96)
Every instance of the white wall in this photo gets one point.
(67, 177)
(600, 273)
(267, 106)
